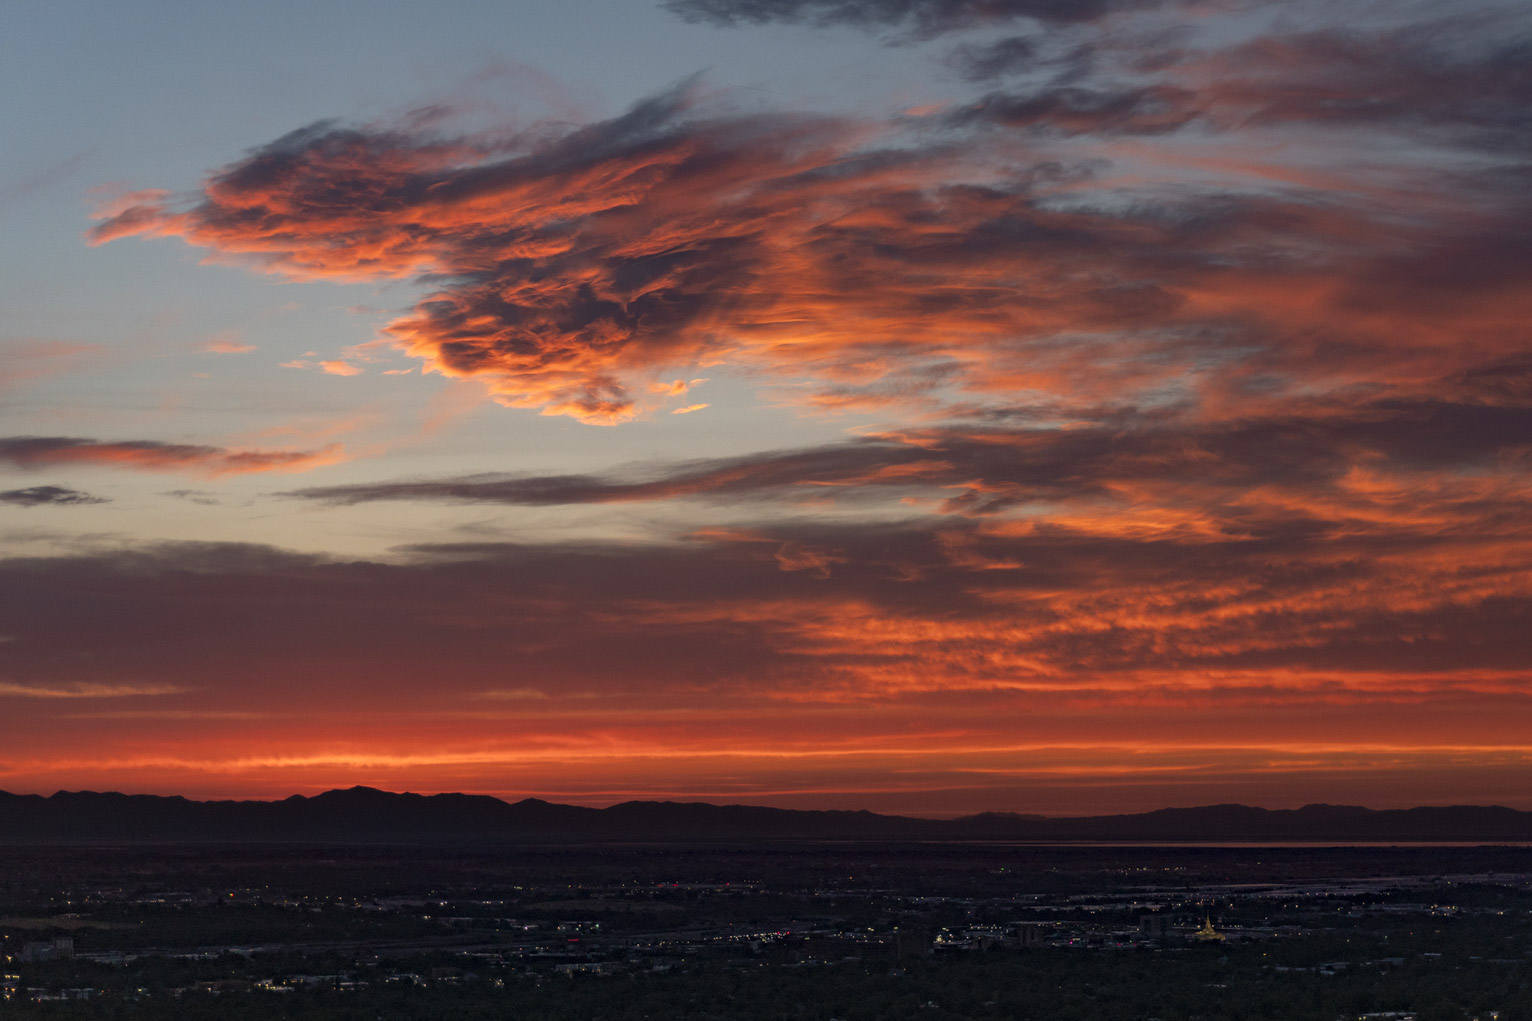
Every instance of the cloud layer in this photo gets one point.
(847, 652)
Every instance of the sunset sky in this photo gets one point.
(928, 406)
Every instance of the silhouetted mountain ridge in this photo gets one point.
(368, 815)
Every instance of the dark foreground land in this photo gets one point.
(807, 930)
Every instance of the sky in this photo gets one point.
(926, 406)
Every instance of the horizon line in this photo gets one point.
(735, 804)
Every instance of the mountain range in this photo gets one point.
(366, 815)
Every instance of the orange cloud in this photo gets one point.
(228, 344)
(746, 252)
(883, 272)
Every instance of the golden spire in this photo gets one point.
(1207, 933)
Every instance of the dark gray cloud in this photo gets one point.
(985, 470)
(1468, 75)
(203, 497)
(48, 496)
(1078, 110)
(1013, 55)
(925, 17)
(721, 478)
(1468, 82)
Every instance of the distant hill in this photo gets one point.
(364, 815)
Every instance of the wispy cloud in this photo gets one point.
(85, 690)
(48, 496)
(25, 360)
(152, 455)
(925, 17)
(227, 344)
(1319, 452)
(197, 496)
